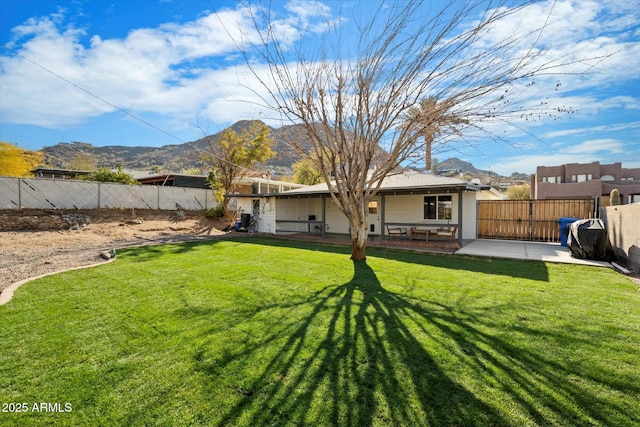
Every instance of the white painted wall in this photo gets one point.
(410, 209)
(268, 215)
(267, 223)
(298, 210)
(398, 209)
(469, 215)
(336, 221)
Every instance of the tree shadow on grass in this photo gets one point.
(362, 355)
(534, 270)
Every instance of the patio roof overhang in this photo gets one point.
(407, 183)
(389, 191)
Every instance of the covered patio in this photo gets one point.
(410, 209)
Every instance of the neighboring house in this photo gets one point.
(256, 184)
(261, 183)
(407, 200)
(174, 180)
(486, 192)
(586, 180)
(57, 173)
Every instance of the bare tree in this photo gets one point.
(353, 85)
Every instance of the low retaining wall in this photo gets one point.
(43, 220)
(623, 227)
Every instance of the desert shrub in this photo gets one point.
(217, 212)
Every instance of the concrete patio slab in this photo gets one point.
(533, 251)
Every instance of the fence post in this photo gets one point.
(530, 220)
(158, 187)
(19, 192)
(99, 189)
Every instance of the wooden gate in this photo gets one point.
(531, 220)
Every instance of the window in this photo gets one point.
(583, 177)
(438, 207)
(552, 179)
(373, 207)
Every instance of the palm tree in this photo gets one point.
(428, 118)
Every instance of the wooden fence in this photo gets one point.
(531, 220)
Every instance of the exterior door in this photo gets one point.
(373, 217)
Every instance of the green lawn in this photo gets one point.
(266, 332)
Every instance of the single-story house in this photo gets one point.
(174, 180)
(409, 204)
(256, 184)
(58, 173)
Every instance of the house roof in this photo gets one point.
(44, 170)
(405, 182)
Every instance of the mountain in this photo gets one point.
(173, 158)
(180, 157)
(455, 165)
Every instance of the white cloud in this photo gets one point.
(176, 70)
(605, 145)
(589, 130)
(187, 71)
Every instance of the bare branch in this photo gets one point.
(374, 92)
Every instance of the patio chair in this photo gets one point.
(396, 231)
(446, 233)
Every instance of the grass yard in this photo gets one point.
(266, 332)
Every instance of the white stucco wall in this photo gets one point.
(407, 209)
(336, 221)
(469, 215)
(267, 223)
(268, 215)
(297, 210)
(410, 209)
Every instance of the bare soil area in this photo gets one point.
(26, 254)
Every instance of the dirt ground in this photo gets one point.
(25, 254)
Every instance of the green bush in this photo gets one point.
(217, 212)
(108, 175)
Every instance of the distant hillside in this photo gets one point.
(173, 158)
(180, 157)
(456, 165)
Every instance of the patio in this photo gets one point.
(532, 251)
(513, 249)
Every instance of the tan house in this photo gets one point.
(586, 180)
(409, 201)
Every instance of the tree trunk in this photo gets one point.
(359, 236)
(428, 139)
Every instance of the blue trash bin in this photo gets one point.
(564, 224)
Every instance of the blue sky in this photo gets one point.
(68, 70)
